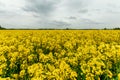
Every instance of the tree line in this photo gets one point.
(116, 28)
(2, 27)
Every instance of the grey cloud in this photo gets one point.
(76, 4)
(2, 11)
(89, 21)
(96, 10)
(60, 23)
(59, 13)
(73, 6)
(53, 24)
(112, 11)
(83, 11)
(40, 7)
(1, 7)
(6, 14)
(72, 17)
(1, 4)
(112, 5)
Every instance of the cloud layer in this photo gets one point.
(40, 7)
(59, 13)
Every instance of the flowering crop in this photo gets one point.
(59, 55)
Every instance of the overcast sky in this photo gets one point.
(60, 13)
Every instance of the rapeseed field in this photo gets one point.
(59, 55)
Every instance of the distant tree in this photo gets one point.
(105, 28)
(1, 27)
(116, 28)
(67, 28)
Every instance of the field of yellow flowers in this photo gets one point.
(59, 55)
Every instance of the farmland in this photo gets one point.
(59, 55)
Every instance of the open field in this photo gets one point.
(60, 55)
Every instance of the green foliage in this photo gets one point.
(1, 28)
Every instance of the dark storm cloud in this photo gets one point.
(40, 7)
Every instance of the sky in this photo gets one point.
(59, 14)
